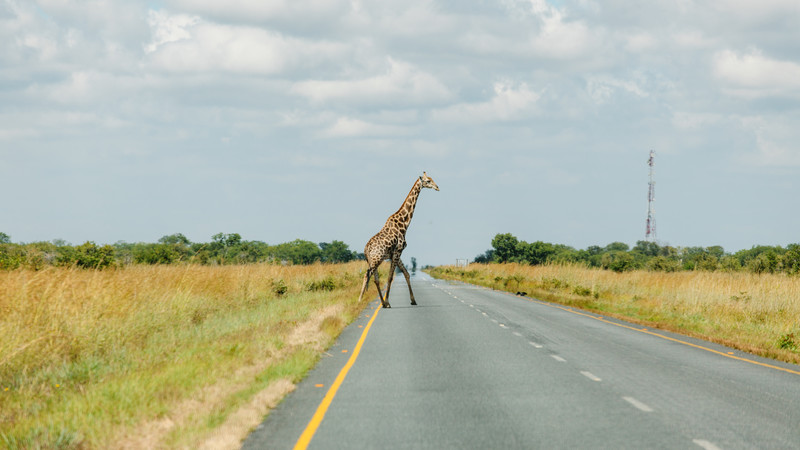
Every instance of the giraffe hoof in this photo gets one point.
(413, 303)
(386, 305)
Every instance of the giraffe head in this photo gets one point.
(427, 182)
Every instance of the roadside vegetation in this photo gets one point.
(170, 249)
(155, 356)
(754, 312)
(619, 257)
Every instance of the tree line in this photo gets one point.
(170, 249)
(620, 257)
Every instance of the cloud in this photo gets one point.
(557, 37)
(168, 28)
(640, 41)
(753, 75)
(756, 12)
(256, 11)
(346, 127)
(777, 141)
(692, 39)
(603, 87)
(552, 34)
(401, 85)
(508, 103)
(695, 121)
(185, 43)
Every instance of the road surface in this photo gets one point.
(476, 368)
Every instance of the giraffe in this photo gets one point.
(390, 242)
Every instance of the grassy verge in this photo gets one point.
(160, 356)
(759, 314)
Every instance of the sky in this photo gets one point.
(309, 119)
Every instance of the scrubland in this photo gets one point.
(757, 313)
(160, 356)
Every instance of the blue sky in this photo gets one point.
(278, 120)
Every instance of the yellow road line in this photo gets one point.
(316, 420)
(645, 330)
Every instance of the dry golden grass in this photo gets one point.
(755, 313)
(91, 358)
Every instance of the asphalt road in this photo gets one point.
(475, 368)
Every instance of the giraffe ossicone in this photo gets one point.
(390, 242)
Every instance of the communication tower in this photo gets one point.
(650, 234)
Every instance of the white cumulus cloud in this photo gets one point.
(777, 141)
(752, 74)
(402, 84)
(184, 43)
(349, 127)
(509, 102)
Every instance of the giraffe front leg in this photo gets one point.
(384, 301)
(408, 280)
(389, 285)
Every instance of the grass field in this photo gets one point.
(759, 314)
(160, 356)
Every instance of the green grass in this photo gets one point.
(96, 357)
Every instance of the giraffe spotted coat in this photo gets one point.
(390, 242)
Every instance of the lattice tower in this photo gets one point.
(650, 234)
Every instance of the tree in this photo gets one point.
(617, 247)
(4, 238)
(155, 253)
(486, 257)
(663, 264)
(618, 261)
(222, 244)
(505, 247)
(177, 238)
(87, 255)
(766, 262)
(536, 253)
(250, 252)
(716, 251)
(298, 252)
(335, 252)
(649, 249)
(791, 259)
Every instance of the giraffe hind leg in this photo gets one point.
(384, 300)
(364, 284)
(389, 284)
(408, 280)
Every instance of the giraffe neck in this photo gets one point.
(402, 218)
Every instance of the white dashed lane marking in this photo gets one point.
(590, 376)
(702, 443)
(637, 404)
(558, 358)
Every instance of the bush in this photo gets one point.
(618, 261)
(11, 256)
(787, 342)
(279, 287)
(766, 262)
(87, 256)
(326, 284)
(156, 253)
(663, 264)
